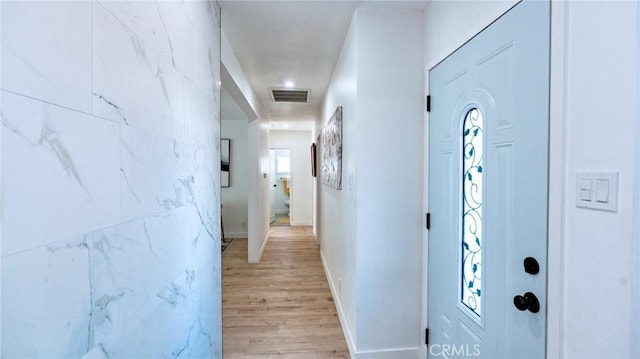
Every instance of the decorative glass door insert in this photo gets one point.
(472, 161)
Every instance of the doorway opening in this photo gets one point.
(280, 186)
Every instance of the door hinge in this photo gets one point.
(426, 336)
(428, 103)
(428, 220)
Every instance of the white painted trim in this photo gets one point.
(257, 257)
(301, 224)
(635, 260)
(236, 235)
(557, 186)
(1, 210)
(254, 215)
(264, 245)
(336, 299)
(425, 232)
(396, 353)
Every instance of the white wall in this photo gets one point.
(110, 207)
(238, 86)
(382, 190)
(236, 82)
(600, 137)
(235, 198)
(299, 143)
(234, 125)
(389, 226)
(337, 209)
(259, 201)
(594, 109)
(449, 24)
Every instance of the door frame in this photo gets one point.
(635, 262)
(557, 183)
(272, 165)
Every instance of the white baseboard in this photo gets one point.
(236, 235)
(394, 353)
(258, 257)
(343, 320)
(264, 245)
(398, 353)
(301, 223)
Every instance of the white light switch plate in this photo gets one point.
(597, 190)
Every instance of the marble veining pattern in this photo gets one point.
(131, 82)
(110, 132)
(63, 79)
(59, 160)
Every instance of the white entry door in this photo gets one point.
(488, 158)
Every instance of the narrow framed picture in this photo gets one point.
(313, 160)
(225, 162)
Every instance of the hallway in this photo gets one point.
(281, 307)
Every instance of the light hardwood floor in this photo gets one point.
(281, 307)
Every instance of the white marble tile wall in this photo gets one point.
(46, 51)
(58, 173)
(110, 193)
(46, 302)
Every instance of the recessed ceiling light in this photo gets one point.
(286, 125)
(289, 84)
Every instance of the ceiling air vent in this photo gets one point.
(289, 95)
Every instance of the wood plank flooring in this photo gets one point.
(281, 307)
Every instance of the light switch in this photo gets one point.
(586, 184)
(602, 190)
(597, 190)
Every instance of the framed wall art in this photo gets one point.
(225, 162)
(332, 151)
(313, 160)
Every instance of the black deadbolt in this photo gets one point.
(531, 265)
(527, 302)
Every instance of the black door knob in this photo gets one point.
(527, 302)
(531, 266)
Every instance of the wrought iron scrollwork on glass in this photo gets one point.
(472, 162)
